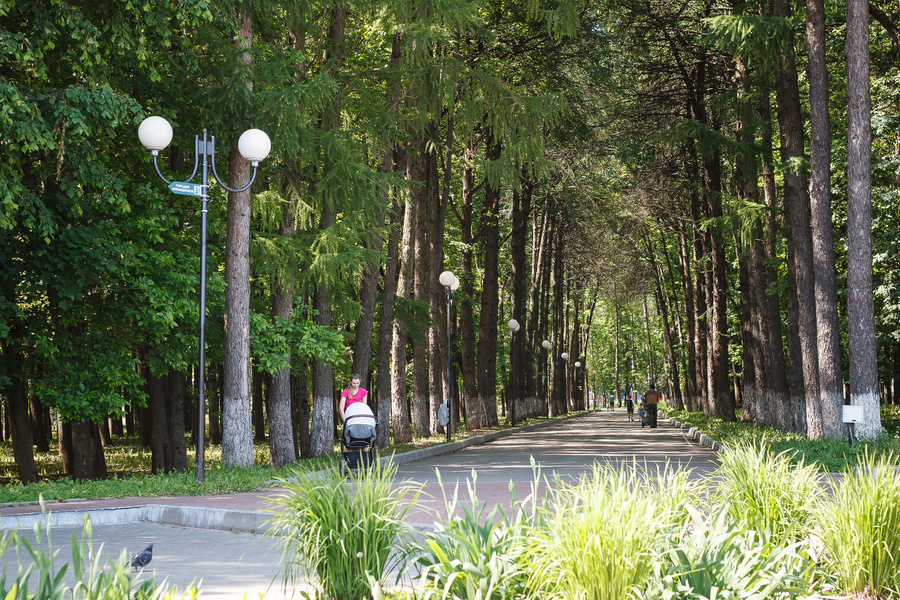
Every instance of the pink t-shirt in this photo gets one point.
(357, 397)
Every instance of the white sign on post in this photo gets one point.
(853, 414)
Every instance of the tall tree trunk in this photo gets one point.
(237, 438)
(82, 450)
(690, 318)
(535, 388)
(161, 451)
(258, 403)
(17, 410)
(475, 415)
(831, 383)
(175, 430)
(281, 431)
(323, 406)
(399, 411)
(385, 326)
(419, 177)
(860, 301)
(518, 298)
(797, 224)
(385, 331)
(777, 390)
(490, 298)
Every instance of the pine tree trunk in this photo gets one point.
(419, 177)
(399, 411)
(322, 427)
(521, 210)
(385, 326)
(690, 319)
(436, 298)
(281, 435)
(490, 296)
(385, 331)
(797, 224)
(779, 401)
(831, 382)
(860, 300)
(237, 437)
(475, 415)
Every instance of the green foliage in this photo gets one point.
(273, 342)
(860, 528)
(43, 580)
(720, 559)
(602, 533)
(341, 531)
(476, 554)
(826, 455)
(767, 492)
(130, 468)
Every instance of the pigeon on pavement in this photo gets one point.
(142, 558)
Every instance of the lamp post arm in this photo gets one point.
(158, 172)
(196, 163)
(212, 155)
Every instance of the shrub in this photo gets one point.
(600, 538)
(766, 491)
(860, 529)
(474, 555)
(340, 531)
(720, 560)
(43, 579)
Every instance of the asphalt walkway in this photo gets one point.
(217, 540)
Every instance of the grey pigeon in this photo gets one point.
(142, 558)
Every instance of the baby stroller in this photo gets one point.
(357, 438)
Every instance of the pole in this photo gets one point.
(201, 397)
(512, 377)
(449, 378)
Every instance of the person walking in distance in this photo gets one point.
(651, 398)
(629, 406)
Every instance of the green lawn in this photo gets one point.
(129, 468)
(825, 455)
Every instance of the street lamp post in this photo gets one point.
(513, 328)
(451, 284)
(546, 346)
(254, 145)
(576, 385)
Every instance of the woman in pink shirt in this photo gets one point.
(352, 394)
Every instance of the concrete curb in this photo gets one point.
(249, 521)
(701, 438)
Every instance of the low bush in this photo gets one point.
(860, 529)
(722, 560)
(43, 578)
(341, 532)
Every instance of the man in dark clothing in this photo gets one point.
(652, 399)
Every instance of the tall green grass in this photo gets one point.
(761, 490)
(42, 579)
(860, 529)
(341, 532)
(602, 534)
(475, 553)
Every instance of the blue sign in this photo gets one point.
(186, 189)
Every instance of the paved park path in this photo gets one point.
(233, 562)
